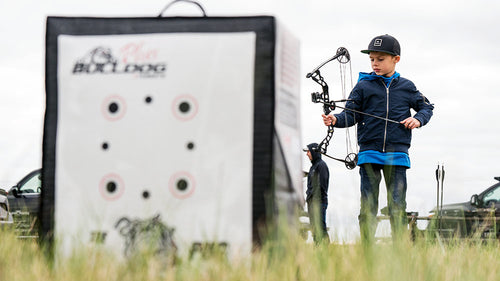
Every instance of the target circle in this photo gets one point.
(113, 108)
(185, 107)
(111, 187)
(182, 185)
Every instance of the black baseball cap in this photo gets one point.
(384, 43)
(311, 146)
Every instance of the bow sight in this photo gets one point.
(343, 57)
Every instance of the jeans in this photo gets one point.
(317, 218)
(395, 181)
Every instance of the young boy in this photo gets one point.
(383, 143)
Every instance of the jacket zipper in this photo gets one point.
(386, 113)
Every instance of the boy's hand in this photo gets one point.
(329, 120)
(410, 123)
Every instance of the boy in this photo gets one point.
(383, 143)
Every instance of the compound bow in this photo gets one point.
(343, 58)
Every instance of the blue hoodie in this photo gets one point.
(394, 101)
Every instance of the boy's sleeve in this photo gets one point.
(348, 118)
(423, 108)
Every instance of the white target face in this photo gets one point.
(148, 133)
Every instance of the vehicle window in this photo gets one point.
(492, 195)
(33, 185)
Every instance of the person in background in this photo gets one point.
(317, 193)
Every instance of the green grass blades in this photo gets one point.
(285, 257)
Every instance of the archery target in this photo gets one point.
(189, 126)
(138, 137)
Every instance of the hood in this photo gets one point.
(315, 153)
(373, 76)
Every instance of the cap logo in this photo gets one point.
(377, 43)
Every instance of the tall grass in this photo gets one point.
(287, 258)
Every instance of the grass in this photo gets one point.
(289, 258)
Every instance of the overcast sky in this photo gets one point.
(449, 50)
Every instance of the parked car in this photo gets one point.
(24, 201)
(5, 215)
(479, 217)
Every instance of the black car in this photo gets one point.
(24, 202)
(479, 217)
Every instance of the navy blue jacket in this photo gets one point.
(392, 102)
(318, 177)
